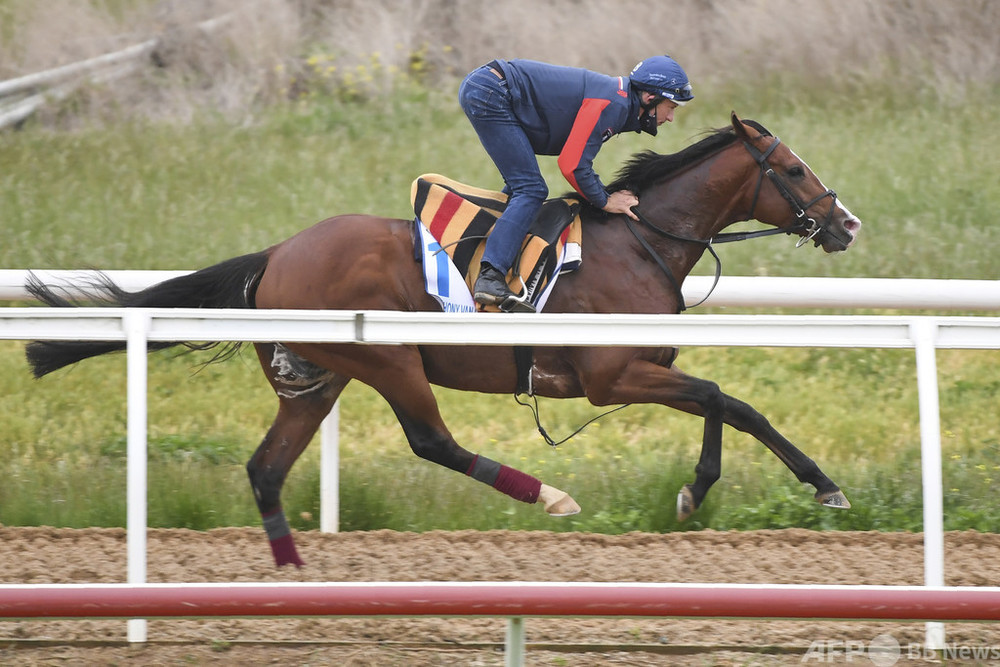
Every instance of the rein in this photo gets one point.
(798, 208)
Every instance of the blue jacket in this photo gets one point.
(571, 112)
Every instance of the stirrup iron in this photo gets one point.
(516, 304)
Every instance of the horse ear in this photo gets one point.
(741, 130)
(739, 127)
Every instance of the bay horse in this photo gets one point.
(364, 262)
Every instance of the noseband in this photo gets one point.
(802, 222)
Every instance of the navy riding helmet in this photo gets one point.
(664, 78)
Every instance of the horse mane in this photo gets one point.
(648, 167)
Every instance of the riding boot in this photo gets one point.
(491, 290)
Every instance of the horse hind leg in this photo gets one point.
(306, 393)
(436, 444)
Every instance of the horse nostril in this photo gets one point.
(852, 225)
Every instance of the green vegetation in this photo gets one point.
(857, 417)
(78, 190)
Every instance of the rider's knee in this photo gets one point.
(534, 190)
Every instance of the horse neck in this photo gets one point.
(698, 203)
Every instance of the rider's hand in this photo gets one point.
(622, 201)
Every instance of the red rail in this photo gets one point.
(500, 599)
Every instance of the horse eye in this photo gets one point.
(796, 172)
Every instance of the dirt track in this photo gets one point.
(45, 555)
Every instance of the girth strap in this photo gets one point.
(523, 358)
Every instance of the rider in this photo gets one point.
(524, 108)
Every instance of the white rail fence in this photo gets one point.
(924, 334)
(732, 291)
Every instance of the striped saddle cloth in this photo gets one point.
(456, 219)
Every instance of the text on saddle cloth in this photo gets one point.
(457, 218)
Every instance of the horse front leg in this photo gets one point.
(645, 381)
(710, 401)
(626, 377)
(704, 398)
(743, 417)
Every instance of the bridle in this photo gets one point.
(802, 222)
(812, 228)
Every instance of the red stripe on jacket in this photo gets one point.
(583, 128)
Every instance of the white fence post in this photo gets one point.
(136, 325)
(329, 472)
(924, 332)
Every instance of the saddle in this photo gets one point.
(458, 218)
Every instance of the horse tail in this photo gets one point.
(229, 284)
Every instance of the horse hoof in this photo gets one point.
(685, 503)
(556, 502)
(833, 499)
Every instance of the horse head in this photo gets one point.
(790, 196)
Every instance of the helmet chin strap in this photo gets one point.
(647, 121)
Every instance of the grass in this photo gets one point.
(625, 470)
(169, 196)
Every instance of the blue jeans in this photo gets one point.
(486, 100)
